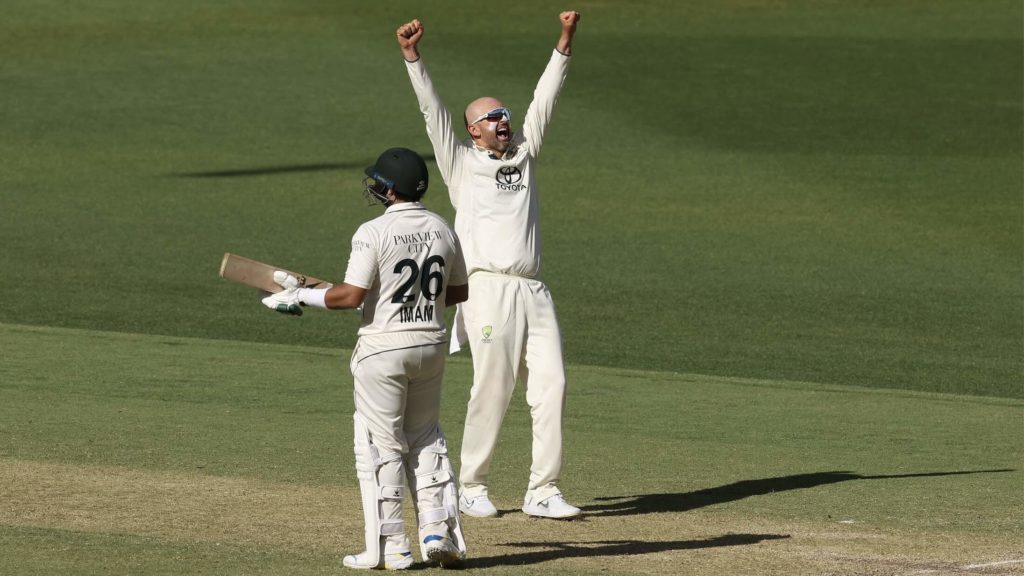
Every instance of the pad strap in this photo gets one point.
(432, 516)
(391, 527)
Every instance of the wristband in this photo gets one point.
(315, 297)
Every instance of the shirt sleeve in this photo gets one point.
(545, 96)
(458, 275)
(362, 261)
(447, 147)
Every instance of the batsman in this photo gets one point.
(509, 318)
(404, 268)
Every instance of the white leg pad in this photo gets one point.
(382, 486)
(432, 481)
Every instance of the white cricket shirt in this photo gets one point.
(495, 199)
(405, 259)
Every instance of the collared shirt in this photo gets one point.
(496, 202)
(405, 259)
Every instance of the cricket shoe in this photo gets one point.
(442, 550)
(392, 561)
(479, 506)
(550, 507)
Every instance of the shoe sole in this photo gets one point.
(403, 564)
(446, 558)
(540, 514)
(477, 514)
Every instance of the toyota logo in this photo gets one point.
(508, 175)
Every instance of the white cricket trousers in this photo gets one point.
(397, 389)
(513, 333)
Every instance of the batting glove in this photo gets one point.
(287, 300)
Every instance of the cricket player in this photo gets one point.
(510, 317)
(405, 268)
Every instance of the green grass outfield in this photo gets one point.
(807, 190)
(785, 238)
(142, 454)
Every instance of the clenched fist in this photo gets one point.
(409, 35)
(569, 20)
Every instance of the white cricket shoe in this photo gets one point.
(442, 550)
(392, 561)
(479, 506)
(550, 507)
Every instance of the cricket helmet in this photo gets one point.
(399, 169)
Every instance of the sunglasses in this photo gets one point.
(495, 115)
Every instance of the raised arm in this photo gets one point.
(569, 20)
(545, 95)
(438, 119)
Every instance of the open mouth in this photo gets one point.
(503, 133)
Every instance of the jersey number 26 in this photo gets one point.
(431, 282)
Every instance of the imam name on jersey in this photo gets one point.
(424, 313)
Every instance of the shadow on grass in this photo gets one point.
(285, 169)
(562, 550)
(683, 501)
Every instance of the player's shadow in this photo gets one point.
(282, 169)
(562, 550)
(684, 501)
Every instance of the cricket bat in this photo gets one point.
(260, 275)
